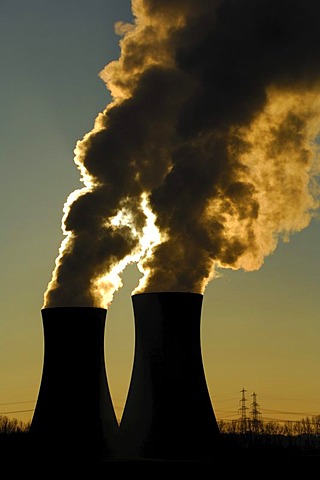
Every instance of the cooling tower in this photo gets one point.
(168, 413)
(74, 416)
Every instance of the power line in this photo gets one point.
(17, 411)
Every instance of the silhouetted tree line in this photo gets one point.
(294, 436)
(13, 425)
(309, 426)
(240, 436)
(13, 435)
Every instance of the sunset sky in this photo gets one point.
(216, 115)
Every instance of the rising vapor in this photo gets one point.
(206, 156)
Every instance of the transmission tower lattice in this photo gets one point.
(255, 412)
(243, 420)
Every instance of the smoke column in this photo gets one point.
(207, 155)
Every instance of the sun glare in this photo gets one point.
(106, 286)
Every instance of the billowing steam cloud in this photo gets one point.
(207, 155)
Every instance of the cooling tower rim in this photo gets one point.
(164, 292)
(73, 308)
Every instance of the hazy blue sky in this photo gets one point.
(260, 330)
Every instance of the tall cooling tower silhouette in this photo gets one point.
(74, 416)
(168, 413)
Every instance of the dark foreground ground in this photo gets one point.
(259, 459)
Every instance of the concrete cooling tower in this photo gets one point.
(74, 416)
(168, 413)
